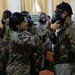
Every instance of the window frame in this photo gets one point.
(34, 12)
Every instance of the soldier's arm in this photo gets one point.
(1, 45)
(26, 38)
(71, 36)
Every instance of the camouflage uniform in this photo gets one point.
(64, 49)
(6, 46)
(34, 55)
(47, 47)
(6, 43)
(1, 55)
(34, 30)
(21, 44)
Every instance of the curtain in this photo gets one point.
(3, 7)
(56, 2)
(27, 5)
(43, 5)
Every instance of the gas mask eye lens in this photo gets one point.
(57, 16)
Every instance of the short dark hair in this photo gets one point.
(16, 19)
(65, 6)
(25, 13)
(7, 14)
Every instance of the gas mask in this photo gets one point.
(57, 16)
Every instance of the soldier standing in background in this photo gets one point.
(42, 21)
(5, 34)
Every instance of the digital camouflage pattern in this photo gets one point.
(21, 45)
(64, 50)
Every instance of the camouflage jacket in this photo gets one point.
(34, 30)
(21, 44)
(65, 45)
(37, 53)
(1, 55)
(6, 38)
(4, 47)
(1, 65)
(6, 42)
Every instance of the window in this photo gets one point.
(36, 7)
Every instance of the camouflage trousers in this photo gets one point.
(64, 69)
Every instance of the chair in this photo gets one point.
(49, 57)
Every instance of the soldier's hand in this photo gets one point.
(55, 25)
(48, 24)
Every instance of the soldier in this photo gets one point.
(5, 37)
(42, 21)
(34, 70)
(21, 45)
(34, 30)
(64, 49)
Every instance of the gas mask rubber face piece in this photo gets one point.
(57, 16)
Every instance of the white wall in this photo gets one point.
(14, 5)
(72, 3)
(50, 8)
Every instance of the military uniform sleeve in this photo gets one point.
(71, 35)
(25, 38)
